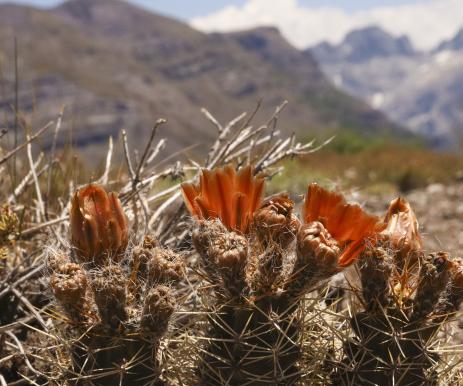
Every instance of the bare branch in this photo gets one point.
(36, 179)
(141, 164)
(7, 156)
(104, 178)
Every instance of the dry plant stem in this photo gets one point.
(11, 153)
(133, 179)
(104, 177)
(223, 132)
(147, 149)
(36, 180)
(52, 158)
(30, 307)
(136, 175)
(22, 185)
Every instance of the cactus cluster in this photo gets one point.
(8, 229)
(407, 296)
(258, 259)
(118, 302)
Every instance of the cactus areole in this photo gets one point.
(98, 225)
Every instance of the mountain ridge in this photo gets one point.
(419, 90)
(118, 66)
(363, 44)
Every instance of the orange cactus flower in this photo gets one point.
(225, 194)
(402, 227)
(347, 223)
(98, 224)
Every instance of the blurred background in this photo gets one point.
(385, 77)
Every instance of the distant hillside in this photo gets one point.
(422, 91)
(118, 66)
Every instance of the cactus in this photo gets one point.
(118, 302)
(8, 230)
(407, 297)
(260, 262)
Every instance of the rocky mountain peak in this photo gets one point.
(364, 44)
(371, 42)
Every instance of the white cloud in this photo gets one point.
(426, 22)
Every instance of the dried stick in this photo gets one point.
(30, 307)
(127, 155)
(22, 185)
(104, 178)
(31, 138)
(36, 180)
(52, 157)
(141, 164)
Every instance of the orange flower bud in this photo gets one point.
(98, 224)
(223, 193)
(348, 224)
(402, 228)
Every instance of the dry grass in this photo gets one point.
(387, 168)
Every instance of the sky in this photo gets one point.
(307, 22)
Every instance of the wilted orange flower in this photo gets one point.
(348, 224)
(227, 195)
(98, 224)
(402, 227)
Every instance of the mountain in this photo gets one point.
(454, 44)
(115, 66)
(430, 99)
(362, 45)
(419, 90)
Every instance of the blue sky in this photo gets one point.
(187, 9)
